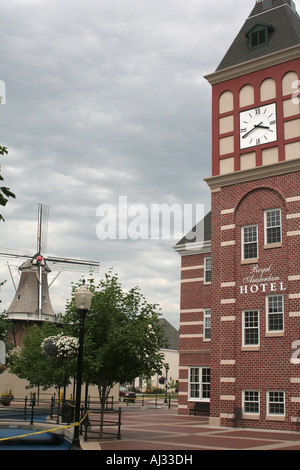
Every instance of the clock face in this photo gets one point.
(258, 126)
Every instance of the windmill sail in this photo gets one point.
(11, 253)
(42, 232)
(69, 264)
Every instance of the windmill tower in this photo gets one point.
(31, 303)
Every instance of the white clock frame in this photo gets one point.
(258, 126)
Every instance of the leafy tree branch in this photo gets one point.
(5, 192)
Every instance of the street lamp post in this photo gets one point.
(166, 392)
(83, 299)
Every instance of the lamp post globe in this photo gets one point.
(83, 299)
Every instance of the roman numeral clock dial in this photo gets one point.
(258, 126)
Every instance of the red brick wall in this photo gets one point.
(195, 296)
(234, 369)
(268, 368)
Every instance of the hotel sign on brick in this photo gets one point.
(261, 280)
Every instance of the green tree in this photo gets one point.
(123, 338)
(172, 385)
(4, 322)
(5, 328)
(5, 192)
(123, 335)
(31, 363)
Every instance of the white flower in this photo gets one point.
(60, 346)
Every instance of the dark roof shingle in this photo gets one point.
(282, 16)
(172, 335)
(202, 228)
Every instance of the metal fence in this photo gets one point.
(148, 400)
(32, 410)
(26, 409)
(108, 426)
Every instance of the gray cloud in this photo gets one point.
(106, 99)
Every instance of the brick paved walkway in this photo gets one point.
(165, 430)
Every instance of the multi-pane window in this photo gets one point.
(250, 327)
(258, 38)
(199, 383)
(251, 401)
(276, 402)
(206, 383)
(194, 382)
(272, 226)
(275, 312)
(249, 242)
(207, 270)
(207, 322)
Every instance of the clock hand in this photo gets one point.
(255, 126)
(245, 135)
(261, 127)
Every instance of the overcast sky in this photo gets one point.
(106, 99)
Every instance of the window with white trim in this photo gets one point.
(275, 312)
(207, 270)
(272, 226)
(251, 401)
(249, 242)
(199, 383)
(276, 403)
(206, 324)
(250, 328)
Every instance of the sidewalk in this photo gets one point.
(165, 430)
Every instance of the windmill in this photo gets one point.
(32, 300)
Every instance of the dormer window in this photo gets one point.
(258, 36)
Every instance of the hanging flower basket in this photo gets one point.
(48, 346)
(60, 346)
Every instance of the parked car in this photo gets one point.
(127, 395)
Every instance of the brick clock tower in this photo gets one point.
(240, 285)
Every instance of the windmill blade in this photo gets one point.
(12, 278)
(42, 231)
(11, 253)
(69, 264)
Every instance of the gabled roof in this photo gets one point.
(172, 335)
(202, 228)
(198, 240)
(281, 16)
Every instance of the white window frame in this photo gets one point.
(206, 324)
(266, 228)
(268, 313)
(200, 384)
(244, 402)
(207, 270)
(269, 402)
(244, 243)
(244, 327)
